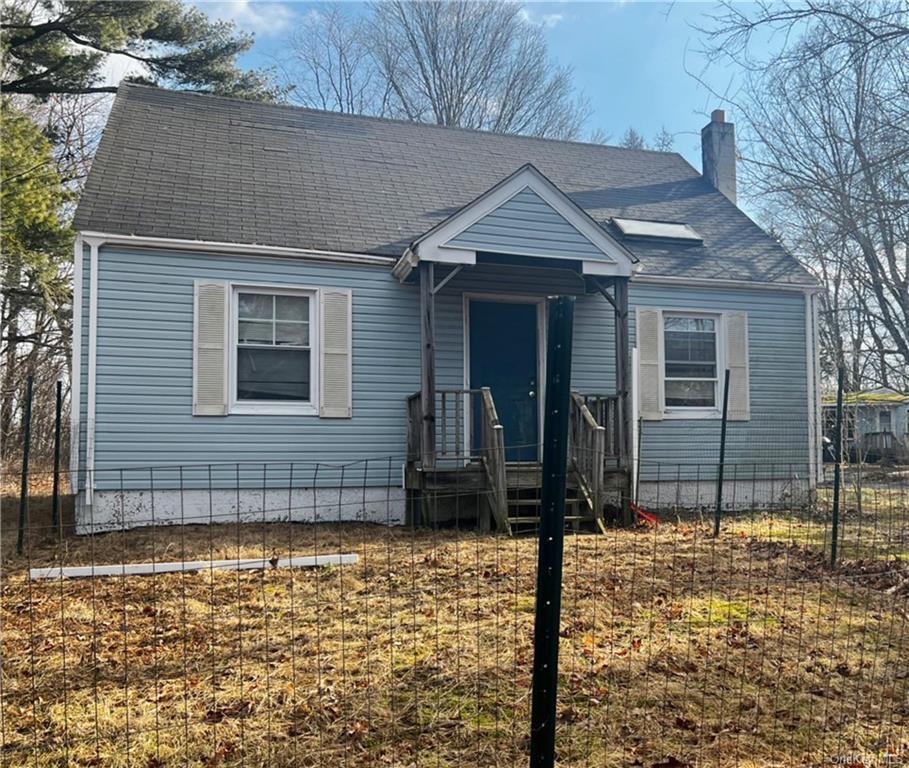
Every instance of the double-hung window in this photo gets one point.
(691, 361)
(884, 421)
(273, 357)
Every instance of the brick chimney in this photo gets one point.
(718, 153)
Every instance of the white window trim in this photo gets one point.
(694, 412)
(275, 407)
(880, 423)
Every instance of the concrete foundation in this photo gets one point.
(118, 510)
(793, 493)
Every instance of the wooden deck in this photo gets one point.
(461, 482)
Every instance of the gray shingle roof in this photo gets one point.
(182, 165)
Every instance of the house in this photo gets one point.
(267, 294)
(875, 424)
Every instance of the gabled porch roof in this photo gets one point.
(526, 215)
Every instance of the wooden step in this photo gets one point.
(535, 502)
(523, 475)
(536, 519)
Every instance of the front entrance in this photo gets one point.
(504, 356)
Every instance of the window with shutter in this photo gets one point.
(273, 351)
(682, 357)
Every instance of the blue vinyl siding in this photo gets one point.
(527, 225)
(145, 342)
(144, 375)
(775, 441)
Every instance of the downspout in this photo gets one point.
(818, 410)
(811, 370)
(92, 371)
(75, 387)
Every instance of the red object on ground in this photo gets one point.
(648, 518)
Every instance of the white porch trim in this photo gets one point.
(434, 244)
(709, 282)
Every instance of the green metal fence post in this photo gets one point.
(26, 447)
(722, 465)
(837, 467)
(55, 506)
(552, 532)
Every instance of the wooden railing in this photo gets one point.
(455, 408)
(452, 416)
(606, 412)
(588, 452)
(492, 447)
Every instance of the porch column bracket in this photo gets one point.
(445, 280)
(428, 363)
(601, 289)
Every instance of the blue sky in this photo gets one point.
(629, 58)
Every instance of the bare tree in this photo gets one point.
(331, 65)
(832, 23)
(456, 62)
(825, 123)
(664, 141)
(632, 139)
(599, 136)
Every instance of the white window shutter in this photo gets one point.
(737, 363)
(336, 364)
(210, 348)
(650, 363)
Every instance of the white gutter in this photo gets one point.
(75, 384)
(707, 282)
(248, 249)
(404, 265)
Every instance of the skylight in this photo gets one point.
(664, 230)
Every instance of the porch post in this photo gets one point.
(622, 368)
(428, 363)
(623, 390)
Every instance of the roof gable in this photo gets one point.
(525, 214)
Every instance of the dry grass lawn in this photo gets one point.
(677, 650)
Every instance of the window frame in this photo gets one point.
(880, 420)
(694, 411)
(274, 407)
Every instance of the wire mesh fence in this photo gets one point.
(410, 642)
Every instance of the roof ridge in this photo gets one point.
(124, 84)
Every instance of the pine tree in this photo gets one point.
(60, 47)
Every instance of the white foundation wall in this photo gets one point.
(741, 495)
(119, 510)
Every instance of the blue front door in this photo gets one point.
(503, 357)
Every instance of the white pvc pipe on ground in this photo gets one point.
(148, 569)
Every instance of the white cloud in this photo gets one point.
(547, 20)
(116, 67)
(262, 18)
